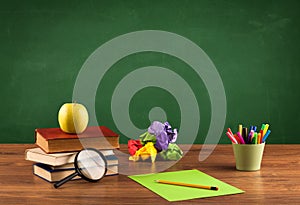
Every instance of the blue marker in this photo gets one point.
(266, 136)
(254, 128)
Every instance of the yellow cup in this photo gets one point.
(248, 156)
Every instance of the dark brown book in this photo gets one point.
(53, 140)
(53, 175)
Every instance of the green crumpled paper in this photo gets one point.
(172, 153)
(147, 137)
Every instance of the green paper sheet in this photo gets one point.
(178, 193)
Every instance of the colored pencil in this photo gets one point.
(188, 185)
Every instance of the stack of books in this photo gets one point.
(56, 151)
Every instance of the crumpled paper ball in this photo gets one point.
(147, 137)
(164, 134)
(145, 152)
(172, 153)
(133, 146)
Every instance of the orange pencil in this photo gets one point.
(188, 185)
(259, 138)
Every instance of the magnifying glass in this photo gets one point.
(90, 164)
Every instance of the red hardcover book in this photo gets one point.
(53, 140)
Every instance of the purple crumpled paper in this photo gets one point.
(172, 134)
(164, 134)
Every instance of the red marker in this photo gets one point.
(231, 137)
(229, 130)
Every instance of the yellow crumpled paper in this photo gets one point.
(145, 152)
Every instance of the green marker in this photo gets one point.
(254, 139)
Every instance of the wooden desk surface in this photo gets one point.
(278, 182)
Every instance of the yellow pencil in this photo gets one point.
(188, 185)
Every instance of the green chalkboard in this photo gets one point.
(254, 46)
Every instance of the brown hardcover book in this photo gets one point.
(52, 175)
(53, 140)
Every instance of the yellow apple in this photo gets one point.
(73, 118)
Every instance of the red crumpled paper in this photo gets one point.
(133, 146)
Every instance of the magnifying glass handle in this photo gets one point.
(64, 180)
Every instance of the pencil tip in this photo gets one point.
(214, 188)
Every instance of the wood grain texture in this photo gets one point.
(278, 181)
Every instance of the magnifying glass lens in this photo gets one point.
(91, 164)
